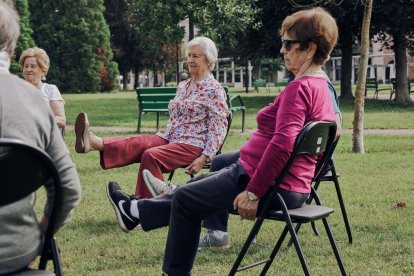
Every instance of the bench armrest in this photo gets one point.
(239, 99)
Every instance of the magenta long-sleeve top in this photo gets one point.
(266, 153)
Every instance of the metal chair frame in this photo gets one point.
(17, 183)
(316, 138)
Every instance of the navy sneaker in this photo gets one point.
(122, 206)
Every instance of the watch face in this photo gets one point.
(251, 196)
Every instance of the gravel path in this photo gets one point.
(407, 132)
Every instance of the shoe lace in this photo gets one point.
(207, 239)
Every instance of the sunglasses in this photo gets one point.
(287, 43)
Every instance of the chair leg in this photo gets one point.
(334, 248)
(294, 237)
(275, 250)
(56, 258)
(171, 176)
(343, 210)
(256, 227)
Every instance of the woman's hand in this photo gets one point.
(247, 208)
(196, 165)
(58, 110)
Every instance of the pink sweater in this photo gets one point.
(268, 149)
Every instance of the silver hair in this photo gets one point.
(9, 28)
(209, 49)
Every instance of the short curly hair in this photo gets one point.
(313, 25)
(41, 57)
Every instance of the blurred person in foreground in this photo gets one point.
(35, 64)
(25, 116)
(308, 38)
(195, 130)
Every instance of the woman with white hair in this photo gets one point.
(35, 64)
(194, 133)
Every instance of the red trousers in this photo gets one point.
(153, 152)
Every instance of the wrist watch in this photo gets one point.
(252, 196)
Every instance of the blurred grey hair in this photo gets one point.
(9, 28)
(209, 49)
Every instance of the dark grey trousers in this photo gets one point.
(185, 208)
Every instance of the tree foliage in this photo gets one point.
(395, 18)
(25, 40)
(76, 37)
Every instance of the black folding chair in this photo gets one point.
(207, 165)
(316, 139)
(329, 174)
(24, 169)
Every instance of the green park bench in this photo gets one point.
(260, 83)
(281, 83)
(394, 87)
(372, 84)
(156, 99)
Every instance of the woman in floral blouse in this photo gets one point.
(195, 130)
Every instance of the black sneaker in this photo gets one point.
(121, 203)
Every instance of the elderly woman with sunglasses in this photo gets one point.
(312, 35)
(195, 130)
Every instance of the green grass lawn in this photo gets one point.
(372, 185)
(120, 109)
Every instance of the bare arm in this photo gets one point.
(58, 110)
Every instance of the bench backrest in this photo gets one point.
(155, 97)
(371, 83)
(259, 83)
(159, 97)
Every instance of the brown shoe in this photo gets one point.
(83, 143)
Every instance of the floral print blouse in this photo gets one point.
(198, 117)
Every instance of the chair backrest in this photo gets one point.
(316, 138)
(229, 120)
(24, 169)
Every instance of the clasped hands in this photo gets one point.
(196, 165)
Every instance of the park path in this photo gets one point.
(406, 132)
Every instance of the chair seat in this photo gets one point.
(304, 214)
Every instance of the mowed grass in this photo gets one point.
(372, 185)
(121, 109)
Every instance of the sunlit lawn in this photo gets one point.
(120, 109)
(372, 185)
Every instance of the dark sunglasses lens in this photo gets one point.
(288, 43)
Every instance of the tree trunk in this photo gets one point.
(358, 132)
(346, 62)
(125, 80)
(259, 69)
(401, 94)
(190, 28)
(136, 76)
(346, 71)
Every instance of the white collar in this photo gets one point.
(4, 62)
